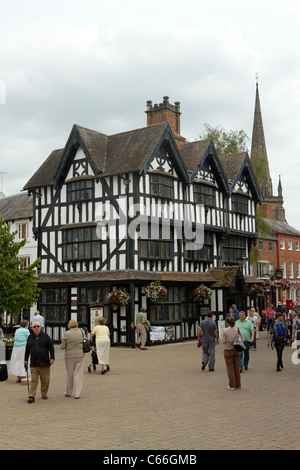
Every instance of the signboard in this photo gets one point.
(96, 313)
(221, 326)
(157, 333)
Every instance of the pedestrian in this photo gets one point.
(232, 314)
(16, 365)
(287, 318)
(296, 330)
(72, 344)
(41, 351)
(270, 313)
(102, 344)
(141, 329)
(279, 308)
(208, 331)
(247, 331)
(278, 333)
(231, 355)
(255, 322)
(236, 310)
(38, 317)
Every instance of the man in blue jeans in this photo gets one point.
(208, 331)
(247, 330)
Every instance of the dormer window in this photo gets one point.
(239, 204)
(80, 190)
(204, 194)
(162, 186)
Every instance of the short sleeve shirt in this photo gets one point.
(208, 328)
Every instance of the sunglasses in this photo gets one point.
(37, 326)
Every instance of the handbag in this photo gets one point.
(238, 343)
(199, 343)
(147, 325)
(86, 343)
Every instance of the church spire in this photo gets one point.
(258, 146)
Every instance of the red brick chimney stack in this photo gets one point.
(165, 112)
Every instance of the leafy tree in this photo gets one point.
(18, 287)
(226, 142)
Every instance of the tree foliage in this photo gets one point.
(18, 287)
(226, 142)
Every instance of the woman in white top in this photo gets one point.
(102, 344)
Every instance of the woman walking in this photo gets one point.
(102, 344)
(72, 343)
(16, 365)
(231, 355)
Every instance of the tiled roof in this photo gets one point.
(18, 206)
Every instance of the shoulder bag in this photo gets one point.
(86, 343)
(238, 343)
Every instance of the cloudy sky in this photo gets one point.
(96, 63)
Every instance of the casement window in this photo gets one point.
(53, 304)
(239, 204)
(298, 270)
(161, 186)
(290, 246)
(205, 254)
(204, 194)
(156, 249)
(81, 190)
(260, 245)
(234, 248)
(282, 244)
(22, 231)
(80, 244)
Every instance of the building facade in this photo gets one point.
(121, 211)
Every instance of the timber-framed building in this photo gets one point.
(123, 210)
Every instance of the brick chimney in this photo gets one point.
(166, 112)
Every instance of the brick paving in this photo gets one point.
(159, 399)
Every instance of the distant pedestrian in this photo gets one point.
(41, 351)
(255, 322)
(72, 344)
(278, 334)
(232, 314)
(231, 355)
(270, 313)
(141, 320)
(236, 310)
(38, 317)
(208, 331)
(247, 331)
(16, 364)
(279, 308)
(296, 330)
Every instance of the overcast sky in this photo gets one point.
(96, 63)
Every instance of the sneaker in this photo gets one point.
(229, 388)
(30, 399)
(203, 365)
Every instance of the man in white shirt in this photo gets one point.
(39, 318)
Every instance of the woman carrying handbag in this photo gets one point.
(231, 354)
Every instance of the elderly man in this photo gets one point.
(247, 331)
(41, 351)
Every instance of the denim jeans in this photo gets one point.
(244, 355)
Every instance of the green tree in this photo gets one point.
(225, 142)
(18, 287)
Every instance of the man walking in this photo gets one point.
(247, 330)
(209, 333)
(41, 351)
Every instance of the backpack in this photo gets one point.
(279, 332)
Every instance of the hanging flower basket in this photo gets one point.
(257, 290)
(277, 283)
(119, 298)
(155, 291)
(201, 292)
